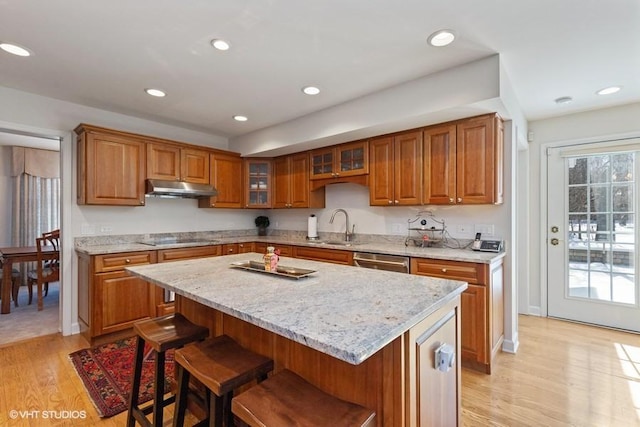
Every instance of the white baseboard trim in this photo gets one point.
(511, 346)
(75, 329)
(535, 311)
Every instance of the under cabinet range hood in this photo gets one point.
(178, 189)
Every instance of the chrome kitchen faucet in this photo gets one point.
(348, 235)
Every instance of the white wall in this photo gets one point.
(386, 220)
(590, 126)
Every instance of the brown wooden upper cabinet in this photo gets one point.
(111, 167)
(226, 177)
(395, 176)
(172, 162)
(463, 162)
(342, 160)
(257, 183)
(291, 183)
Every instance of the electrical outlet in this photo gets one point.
(106, 229)
(485, 229)
(464, 229)
(88, 229)
(396, 228)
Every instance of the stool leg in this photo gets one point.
(228, 415)
(181, 397)
(216, 406)
(135, 386)
(158, 393)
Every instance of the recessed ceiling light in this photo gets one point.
(563, 100)
(14, 49)
(609, 90)
(239, 118)
(220, 44)
(441, 38)
(155, 92)
(311, 90)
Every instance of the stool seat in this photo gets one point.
(162, 334)
(286, 399)
(221, 365)
(170, 331)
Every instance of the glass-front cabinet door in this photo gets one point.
(348, 159)
(258, 183)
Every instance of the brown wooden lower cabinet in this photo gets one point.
(109, 299)
(285, 250)
(325, 255)
(482, 306)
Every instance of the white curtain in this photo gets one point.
(36, 195)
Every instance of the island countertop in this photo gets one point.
(347, 312)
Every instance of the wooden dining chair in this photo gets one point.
(47, 270)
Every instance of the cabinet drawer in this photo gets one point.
(456, 270)
(261, 248)
(325, 255)
(166, 255)
(115, 262)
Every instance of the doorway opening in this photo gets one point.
(30, 188)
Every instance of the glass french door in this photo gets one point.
(592, 236)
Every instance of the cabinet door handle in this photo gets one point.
(213, 205)
(451, 200)
(459, 199)
(396, 202)
(230, 250)
(444, 270)
(390, 202)
(142, 202)
(127, 261)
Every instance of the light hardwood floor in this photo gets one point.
(564, 374)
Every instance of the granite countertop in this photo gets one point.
(347, 312)
(373, 247)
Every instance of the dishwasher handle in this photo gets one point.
(379, 261)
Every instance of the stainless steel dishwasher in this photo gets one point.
(397, 263)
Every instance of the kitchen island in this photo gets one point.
(362, 335)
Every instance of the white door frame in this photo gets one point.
(544, 223)
(66, 324)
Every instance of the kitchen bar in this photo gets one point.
(362, 335)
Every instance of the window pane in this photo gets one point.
(599, 169)
(599, 198)
(577, 171)
(622, 198)
(622, 167)
(578, 199)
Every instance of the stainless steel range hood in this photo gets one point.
(179, 189)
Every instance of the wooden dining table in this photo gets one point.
(12, 255)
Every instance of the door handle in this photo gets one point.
(555, 242)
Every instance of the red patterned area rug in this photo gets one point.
(106, 373)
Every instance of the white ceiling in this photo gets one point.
(104, 53)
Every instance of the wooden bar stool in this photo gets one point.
(286, 399)
(162, 334)
(222, 366)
